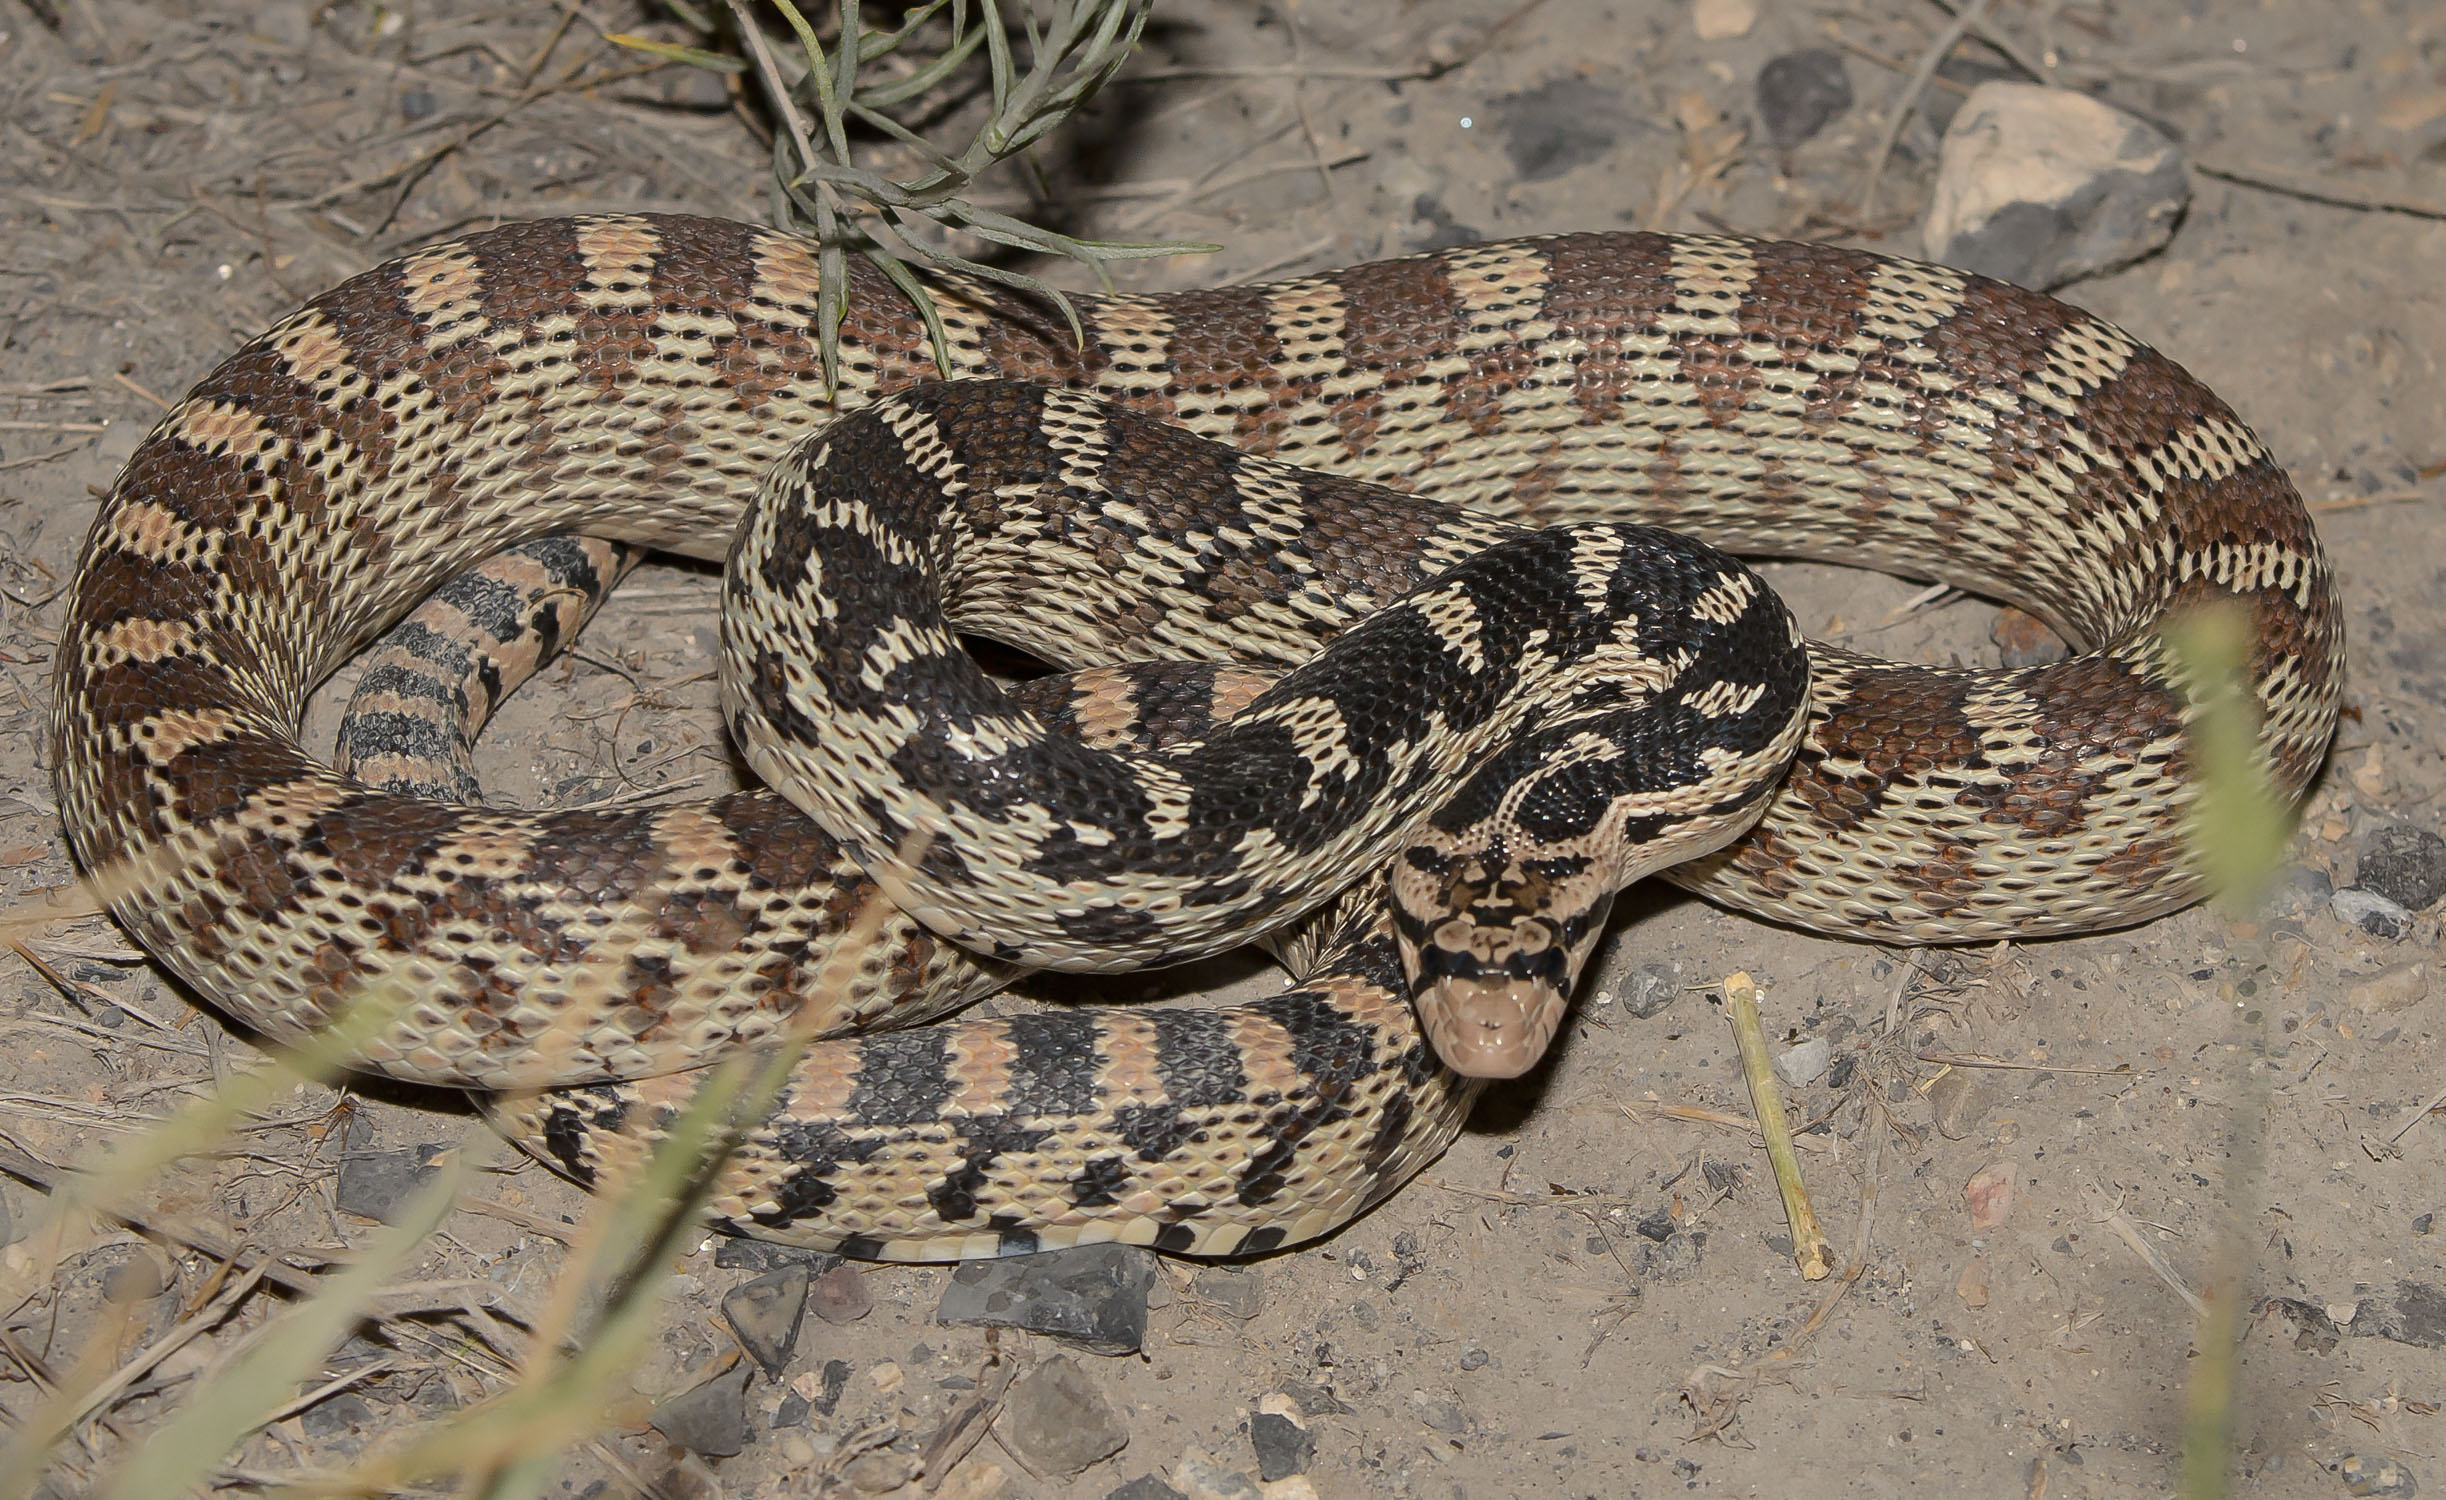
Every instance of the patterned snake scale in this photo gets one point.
(636, 376)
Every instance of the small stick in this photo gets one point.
(1809, 1247)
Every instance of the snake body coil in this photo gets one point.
(635, 376)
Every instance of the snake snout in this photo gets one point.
(1490, 1027)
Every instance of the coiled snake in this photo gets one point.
(635, 376)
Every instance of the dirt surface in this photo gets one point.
(1593, 1293)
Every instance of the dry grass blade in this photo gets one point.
(823, 87)
(265, 1378)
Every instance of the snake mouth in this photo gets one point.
(1490, 1028)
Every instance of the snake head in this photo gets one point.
(1492, 943)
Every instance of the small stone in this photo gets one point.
(840, 1294)
(1282, 1441)
(734, 1253)
(2377, 1474)
(2405, 865)
(1201, 1476)
(1145, 1487)
(1441, 1414)
(2397, 988)
(2417, 1316)
(1800, 93)
(1058, 1422)
(888, 1377)
(1094, 1296)
(1565, 123)
(2024, 640)
(1804, 1063)
(1316, 1401)
(1652, 987)
(416, 104)
(764, 1315)
(1989, 1196)
(1475, 1358)
(1717, 20)
(2042, 186)
(1958, 1103)
(338, 1416)
(2300, 889)
(1231, 1291)
(879, 1472)
(2371, 912)
(2424, 1223)
(378, 1184)
(711, 1418)
(1658, 1226)
(1972, 1285)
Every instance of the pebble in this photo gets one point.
(731, 1253)
(1094, 1296)
(378, 1184)
(879, 1472)
(2371, 912)
(840, 1294)
(1440, 1413)
(2398, 988)
(1958, 1103)
(764, 1314)
(2025, 640)
(2300, 889)
(1201, 1476)
(340, 1416)
(1565, 123)
(1801, 93)
(1145, 1487)
(1651, 988)
(1804, 1063)
(1281, 1439)
(2416, 1317)
(1058, 1422)
(710, 1418)
(1231, 1291)
(2376, 1474)
(1717, 20)
(2405, 865)
(2042, 186)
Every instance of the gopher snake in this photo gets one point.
(635, 376)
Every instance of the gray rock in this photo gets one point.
(1056, 1419)
(841, 1294)
(2405, 865)
(879, 1472)
(2377, 1474)
(2043, 186)
(766, 1312)
(1556, 126)
(2417, 1316)
(1202, 1477)
(711, 1418)
(1443, 1415)
(1804, 1063)
(1231, 1291)
(1094, 1296)
(1283, 1443)
(2371, 912)
(1801, 93)
(1145, 1487)
(734, 1253)
(378, 1184)
(1651, 988)
(2300, 889)
(836, 1380)
(339, 1416)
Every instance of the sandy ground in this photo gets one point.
(1590, 1295)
